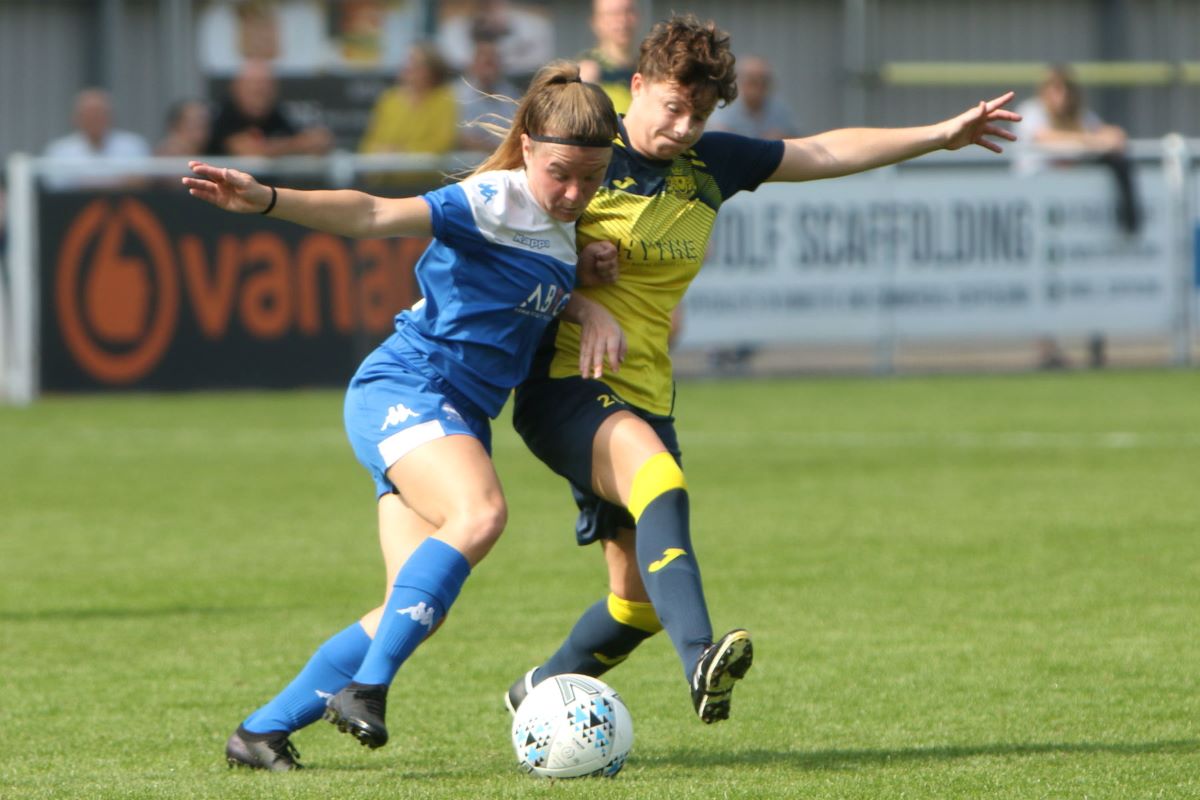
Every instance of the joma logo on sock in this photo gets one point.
(420, 613)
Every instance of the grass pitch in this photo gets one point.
(958, 586)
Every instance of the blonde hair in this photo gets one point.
(557, 105)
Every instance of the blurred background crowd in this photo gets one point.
(284, 77)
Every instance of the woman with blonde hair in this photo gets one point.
(500, 267)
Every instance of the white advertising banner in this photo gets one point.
(943, 254)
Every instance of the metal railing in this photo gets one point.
(19, 321)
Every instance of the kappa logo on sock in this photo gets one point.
(420, 613)
(669, 555)
(398, 414)
(323, 695)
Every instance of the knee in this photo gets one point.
(478, 527)
(657, 476)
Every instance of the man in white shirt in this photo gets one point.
(94, 142)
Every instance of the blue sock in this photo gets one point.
(672, 576)
(424, 590)
(303, 700)
(602, 638)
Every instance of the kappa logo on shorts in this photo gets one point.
(451, 412)
(420, 614)
(397, 414)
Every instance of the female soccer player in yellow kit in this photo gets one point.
(614, 439)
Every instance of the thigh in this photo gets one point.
(452, 480)
(621, 446)
(558, 418)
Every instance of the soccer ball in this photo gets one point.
(572, 726)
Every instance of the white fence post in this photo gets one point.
(1176, 168)
(22, 363)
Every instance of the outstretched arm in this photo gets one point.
(850, 150)
(344, 212)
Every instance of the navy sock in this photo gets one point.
(672, 576)
(602, 638)
(302, 702)
(425, 589)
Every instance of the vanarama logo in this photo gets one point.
(117, 307)
(129, 286)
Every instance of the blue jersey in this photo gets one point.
(497, 272)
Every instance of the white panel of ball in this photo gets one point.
(572, 726)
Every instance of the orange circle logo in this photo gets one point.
(117, 313)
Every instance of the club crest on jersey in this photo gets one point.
(546, 300)
(681, 186)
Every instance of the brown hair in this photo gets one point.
(1072, 109)
(438, 68)
(693, 54)
(557, 104)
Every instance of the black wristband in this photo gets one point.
(271, 205)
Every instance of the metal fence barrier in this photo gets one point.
(944, 249)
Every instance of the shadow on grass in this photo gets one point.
(852, 759)
(76, 614)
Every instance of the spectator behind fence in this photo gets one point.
(419, 114)
(758, 112)
(525, 36)
(251, 122)
(612, 62)
(1059, 130)
(484, 94)
(189, 127)
(96, 141)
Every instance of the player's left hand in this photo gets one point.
(601, 339)
(975, 125)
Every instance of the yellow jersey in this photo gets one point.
(660, 214)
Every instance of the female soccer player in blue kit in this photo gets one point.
(614, 439)
(501, 266)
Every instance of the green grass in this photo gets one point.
(958, 586)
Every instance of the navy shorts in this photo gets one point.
(558, 419)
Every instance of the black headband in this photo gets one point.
(573, 141)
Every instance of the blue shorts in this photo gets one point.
(395, 404)
(558, 419)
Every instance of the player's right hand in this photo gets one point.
(597, 264)
(226, 188)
